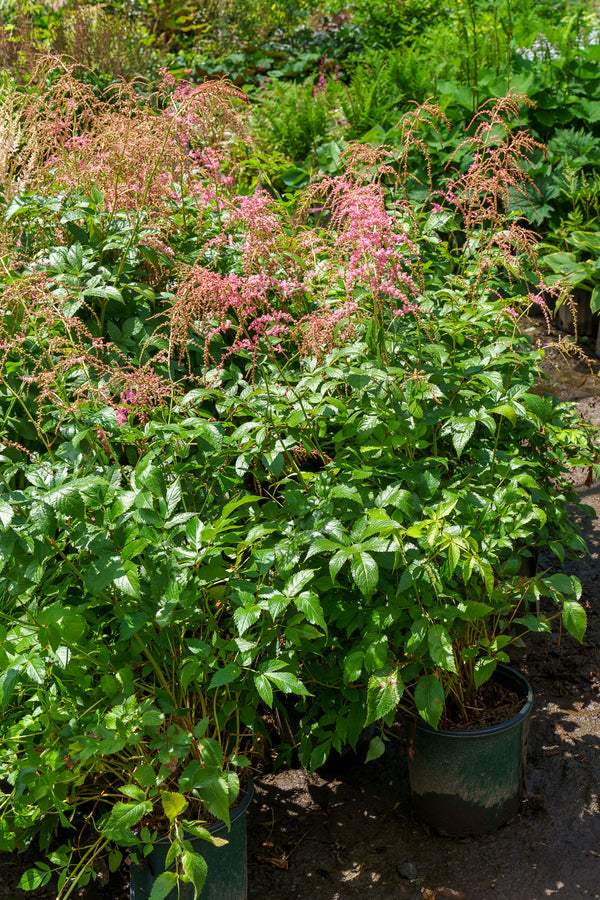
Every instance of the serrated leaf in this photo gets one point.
(483, 670)
(310, 605)
(574, 619)
(163, 886)
(346, 492)
(462, 431)
(504, 409)
(246, 617)
(336, 562)
(297, 582)
(429, 699)
(133, 791)
(286, 682)
(194, 868)
(383, 696)
(453, 557)
(100, 573)
(6, 513)
(125, 815)
(365, 573)
(376, 654)
(265, 691)
(173, 804)
(440, 648)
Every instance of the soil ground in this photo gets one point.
(347, 832)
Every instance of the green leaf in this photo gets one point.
(310, 605)
(376, 654)
(298, 580)
(194, 869)
(365, 573)
(346, 492)
(133, 791)
(100, 573)
(8, 680)
(35, 878)
(574, 619)
(376, 749)
(163, 886)
(124, 816)
(353, 666)
(286, 682)
(225, 675)
(115, 858)
(483, 670)
(173, 804)
(213, 791)
(245, 617)
(383, 696)
(440, 648)
(6, 513)
(429, 699)
(462, 431)
(337, 561)
(504, 409)
(265, 691)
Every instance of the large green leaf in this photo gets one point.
(429, 699)
(163, 886)
(365, 573)
(35, 878)
(173, 804)
(383, 696)
(194, 869)
(574, 619)
(310, 605)
(440, 648)
(126, 815)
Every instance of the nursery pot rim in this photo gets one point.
(516, 680)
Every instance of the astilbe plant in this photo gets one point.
(288, 460)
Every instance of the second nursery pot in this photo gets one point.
(470, 781)
(227, 876)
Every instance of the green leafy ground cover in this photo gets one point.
(271, 436)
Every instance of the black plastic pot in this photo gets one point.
(470, 781)
(227, 877)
